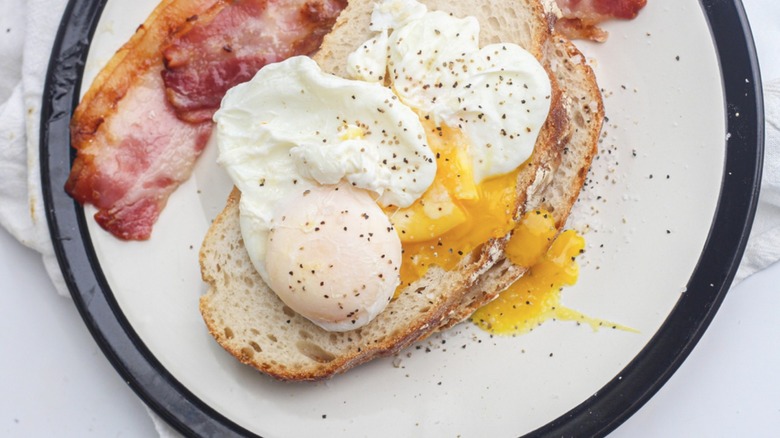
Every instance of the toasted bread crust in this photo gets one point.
(250, 321)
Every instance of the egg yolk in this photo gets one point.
(531, 238)
(536, 296)
(455, 215)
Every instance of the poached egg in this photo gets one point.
(321, 238)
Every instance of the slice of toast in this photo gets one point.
(248, 319)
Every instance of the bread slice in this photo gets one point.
(248, 319)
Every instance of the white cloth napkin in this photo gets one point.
(764, 244)
(27, 31)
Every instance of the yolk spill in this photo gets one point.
(536, 296)
(455, 216)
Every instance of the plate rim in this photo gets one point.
(598, 415)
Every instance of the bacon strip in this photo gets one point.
(232, 41)
(581, 17)
(132, 151)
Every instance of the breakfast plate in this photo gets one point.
(666, 214)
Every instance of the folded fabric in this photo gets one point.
(764, 244)
(30, 27)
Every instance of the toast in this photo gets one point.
(255, 326)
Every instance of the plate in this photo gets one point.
(666, 215)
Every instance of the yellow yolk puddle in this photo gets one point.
(536, 296)
(455, 215)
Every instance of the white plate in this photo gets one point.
(647, 212)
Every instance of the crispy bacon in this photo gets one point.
(229, 43)
(581, 17)
(132, 151)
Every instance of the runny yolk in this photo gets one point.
(536, 296)
(531, 237)
(455, 216)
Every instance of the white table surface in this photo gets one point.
(54, 381)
